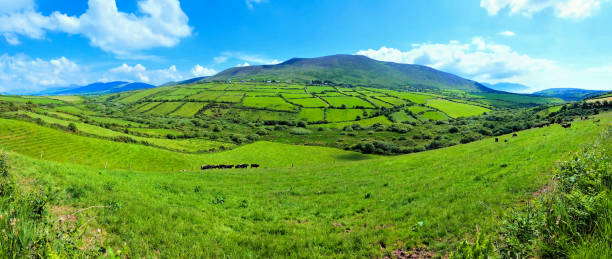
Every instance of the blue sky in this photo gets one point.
(540, 43)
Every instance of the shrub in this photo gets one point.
(300, 131)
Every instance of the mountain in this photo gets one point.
(353, 70)
(188, 81)
(508, 87)
(569, 94)
(98, 88)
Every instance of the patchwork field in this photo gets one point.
(455, 109)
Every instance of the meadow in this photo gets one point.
(317, 202)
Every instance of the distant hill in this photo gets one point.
(569, 94)
(353, 70)
(97, 88)
(184, 82)
(508, 87)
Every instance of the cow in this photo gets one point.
(514, 135)
(496, 140)
(567, 125)
(254, 165)
(505, 140)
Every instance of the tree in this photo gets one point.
(72, 127)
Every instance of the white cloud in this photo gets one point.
(573, 9)
(507, 33)
(199, 71)
(250, 3)
(11, 38)
(23, 74)
(246, 64)
(483, 61)
(248, 58)
(159, 23)
(140, 73)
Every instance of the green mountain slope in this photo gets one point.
(569, 94)
(353, 70)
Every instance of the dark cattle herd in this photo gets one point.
(240, 166)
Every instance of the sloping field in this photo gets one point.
(361, 209)
(30, 139)
(455, 109)
(273, 103)
(188, 110)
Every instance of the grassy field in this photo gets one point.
(188, 110)
(312, 114)
(317, 202)
(193, 145)
(364, 122)
(165, 108)
(273, 103)
(455, 109)
(309, 102)
(348, 102)
(335, 115)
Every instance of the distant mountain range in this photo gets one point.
(353, 70)
(97, 88)
(188, 81)
(508, 87)
(569, 94)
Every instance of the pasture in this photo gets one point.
(455, 109)
(331, 203)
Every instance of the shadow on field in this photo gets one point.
(352, 157)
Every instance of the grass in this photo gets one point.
(434, 115)
(30, 139)
(416, 109)
(116, 121)
(364, 123)
(188, 110)
(32, 99)
(413, 97)
(309, 102)
(455, 109)
(336, 115)
(139, 95)
(273, 103)
(312, 114)
(349, 102)
(193, 145)
(157, 132)
(401, 116)
(146, 106)
(68, 98)
(165, 108)
(329, 205)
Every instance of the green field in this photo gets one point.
(332, 204)
(434, 115)
(416, 109)
(31, 99)
(335, 115)
(188, 109)
(312, 114)
(273, 103)
(309, 102)
(364, 123)
(455, 109)
(165, 108)
(348, 102)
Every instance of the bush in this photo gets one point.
(300, 131)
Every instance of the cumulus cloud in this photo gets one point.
(140, 73)
(507, 33)
(478, 59)
(484, 61)
(199, 71)
(573, 9)
(246, 64)
(248, 58)
(23, 74)
(159, 23)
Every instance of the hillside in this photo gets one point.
(569, 94)
(98, 88)
(352, 70)
(367, 208)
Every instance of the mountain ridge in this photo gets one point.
(355, 70)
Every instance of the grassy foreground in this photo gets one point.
(352, 209)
